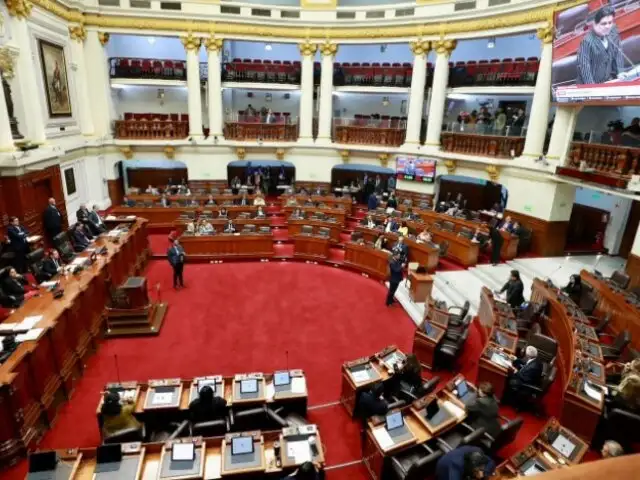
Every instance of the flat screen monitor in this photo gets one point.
(241, 445)
(250, 385)
(207, 383)
(428, 328)
(183, 452)
(419, 169)
(462, 389)
(393, 421)
(43, 461)
(109, 453)
(563, 446)
(500, 340)
(281, 378)
(432, 409)
(533, 469)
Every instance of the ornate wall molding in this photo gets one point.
(493, 171)
(280, 153)
(78, 33)
(445, 47)
(19, 8)
(451, 166)
(328, 49)
(104, 38)
(308, 49)
(241, 152)
(420, 47)
(213, 44)
(345, 154)
(169, 152)
(127, 152)
(191, 43)
(7, 63)
(384, 158)
(546, 34)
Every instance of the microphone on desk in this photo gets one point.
(286, 352)
(566, 260)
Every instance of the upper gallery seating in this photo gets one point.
(262, 71)
(152, 126)
(147, 68)
(494, 72)
(375, 74)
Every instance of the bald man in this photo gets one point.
(52, 219)
(611, 449)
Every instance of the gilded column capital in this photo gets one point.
(493, 171)
(451, 166)
(420, 47)
(78, 33)
(445, 47)
(328, 49)
(19, 8)
(103, 37)
(546, 34)
(308, 49)
(190, 42)
(6, 63)
(213, 44)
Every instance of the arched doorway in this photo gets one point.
(343, 175)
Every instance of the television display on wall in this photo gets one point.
(417, 169)
(596, 52)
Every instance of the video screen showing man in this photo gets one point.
(410, 167)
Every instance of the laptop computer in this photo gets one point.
(43, 462)
(250, 385)
(241, 445)
(281, 381)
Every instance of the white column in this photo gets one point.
(562, 133)
(192, 46)
(325, 116)
(99, 86)
(305, 122)
(84, 102)
(539, 114)
(6, 139)
(420, 51)
(443, 50)
(214, 86)
(24, 85)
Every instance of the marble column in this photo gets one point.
(8, 124)
(214, 86)
(305, 122)
(192, 46)
(6, 139)
(420, 50)
(325, 117)
(84, 103)
(99, 86)
(539, 114)
(564, 125)
(443, 50)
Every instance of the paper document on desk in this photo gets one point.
(383, 438)
(127, 394)
(453, 409)
(79, 261)
(7, 327)
(360, 376)
(110, 217)
(163, 398)
(131, 217)
(49, 284)
(32, 334)
(33, 238)
(270, 391)
(29, 322)
(592, 391)
(298, 385)
(299, 451)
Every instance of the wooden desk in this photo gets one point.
(330, 201)
(338, 213)
(243, 245)
(425, 344)
(166, 217)
(493, 367)
(204, 197)
(294, 227)
(311, 247)
(371, 261)
(420, 286)
(218, 224)
(38, 378)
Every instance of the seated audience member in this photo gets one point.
(151, 190)
(476, 236)
(392, 202)
(184, 190)
(401, 249)
(52, 264)
(372, 203)
(360, 241)
(370, 222)
(96, 222)
(403, 230)
(465, 463)
(409, 376)
(116, 416)
(514, 288)
(260, 213)
(292, 201)
(222, 213)
(12, 283)
(194, 202)
(164, 200)
(507, 225)
(191, 227)
(243, 201)
(236, 183)
(424, 236)
(626, 395)
(207, 406)
(611, 449)
(259, 200)
(483, 411)
(380, 242)
(390, 224)
(452, 210)
(297, 214)
(210, 201)
(371, 402)
(229, 227)
(306, 471)
(309, 202)
(126, 202)
(79, 237)
(574, 288)
(527, 370)
(409, 215)
(205, 228)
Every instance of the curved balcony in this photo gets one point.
(484, 141)
(142, 129)
(610, 159)
(146, 68)
(365, 130)
(279, 128)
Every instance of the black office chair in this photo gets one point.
(454, 331)
(462, 434)
(258, 418)
(509, 429)
(529, 397)
(125, 435)
(620, 279)
(449, 350)
(547, 347)
(588, 302)
(415, 463)
(615, 350)
(406, 393)
(458, 314)
(34, 262)
(602, 324)
(62, 243)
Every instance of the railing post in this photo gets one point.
(443, 50)
(562, 134)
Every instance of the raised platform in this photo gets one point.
(136, 323)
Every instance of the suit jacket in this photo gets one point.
(175, 255)
(50, 266)
(200, 412)
(18, 237)
(451, 465)
(14, 286)
(403, 250)
(597, 64)
(82, 216)
(483, 412)
(369, 405)
(52, 219)
(229, 228)
(529, 373)
(96, 222)
(514, 290)
(372, 203)
(80, 241)
(395, 270)
(392, 202)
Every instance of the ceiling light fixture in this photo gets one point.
(151, 40)
(268, 47)
(492, 42)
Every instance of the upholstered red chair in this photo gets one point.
(146, 69)
(483, 69)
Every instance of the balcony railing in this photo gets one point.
(503, 72)
(147, 68)
(385, 75)
(151, 129)
(263, 71)
(365, 130)
(263, 132)
(610, 159)
(486, 129)
(482, 145)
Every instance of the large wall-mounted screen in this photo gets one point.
(596, 52)
(419, 169)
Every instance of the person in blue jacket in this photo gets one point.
(465, 463)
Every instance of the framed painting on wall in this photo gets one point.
(56, 83)
(70, 181)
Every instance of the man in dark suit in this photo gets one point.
(52, 220)
(600, 57)
(229, 227)
(528, 371)
(126, 202)
(95, 221)
(514, 288)
(18, 239)
(207, 406)
(176, 257)
(79, 238)
(82, 216)
(372, 203)
(164, 201)
(395, 275)
(496, 241)
(463, 463)
(483, 411)
(401, 249)
(52, 265)
(371, 402)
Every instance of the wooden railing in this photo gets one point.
(368, 135)
(267, 132)
(612, 159)
(483, 145)
(151, 129)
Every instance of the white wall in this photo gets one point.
(394, 53)
(165, 48)
(525, 45)
(350, 104)
(90, 177)
(257, 50)
(236, 99)
(136, 99)
(539, 198)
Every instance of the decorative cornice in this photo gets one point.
(546, 34)
(213, 44)
(280, 153)
(19, 8)
(421, 47)
(241, 152)
(345, 155)
(384, 158)
(78, 33)
(493, 171)
(444, 47)
(169, 152)
(127, 152)
(451, 166)
(6, 63)
(308, 49)
(328, 49)
(104, 38)
(191, 43)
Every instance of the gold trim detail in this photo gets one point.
(169, 152)
(451, 166)
(241, 152)
(78, 33)
(19, 8)
(421, 47)
(493, 171)
(6, 63)
(127, 152)
(213, 44)
(328, 49)
(384, 158)
(546, 34)
(104, 38)
(345, 155)
(191, 43)
(280, 153)
(445, 47)
(308, 49)
(316, 5)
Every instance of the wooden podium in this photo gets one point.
(132, 313)
(421, 285)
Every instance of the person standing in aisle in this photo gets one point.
(176, 258)
(395, 275)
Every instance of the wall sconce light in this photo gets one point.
(268, 97)
(385, 101)
(492, 42)
(161, 95)
(151, 40)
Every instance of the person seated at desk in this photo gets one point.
(184, 190)
(191, 227)
(401, 249)
(424, 236)
(615, 377)
(574, 288)
(127, 202)
(477, 235)
(408, 376)
(243, 201)
(236, 183)
(193, 203)
(626, 395)
(467, 462)
(14, 284)
(372, 202)
(210, 201)
(403, 230)
(507, 225)
(297, 214)
(409, 215)
(259, 200)
(306, 471)
(260, 213)
(483, 411)
(292, 201)
(309, 202)
(514, 288)
(95, 221)
(371, 402)
(516, 229)
(370, 222)
(205, 228)
(116, 416)
(151, 190)
(80, 238)
(452, 210)
(207, 406)
(611, 449)
(528, 371)
(390, 224)
(229, 227)
(222, 213)
(52, 264)
(164, 200)
(392, 202)
(380, 242)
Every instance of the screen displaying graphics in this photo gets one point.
(596, 52)
(416, 168)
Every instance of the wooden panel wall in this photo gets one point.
(633, 270)
(143, 177)
(478, 197)
(116, 191)
(345, 177)
(414, 196)
(584, 224)
(630, 230)
(548, 239)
